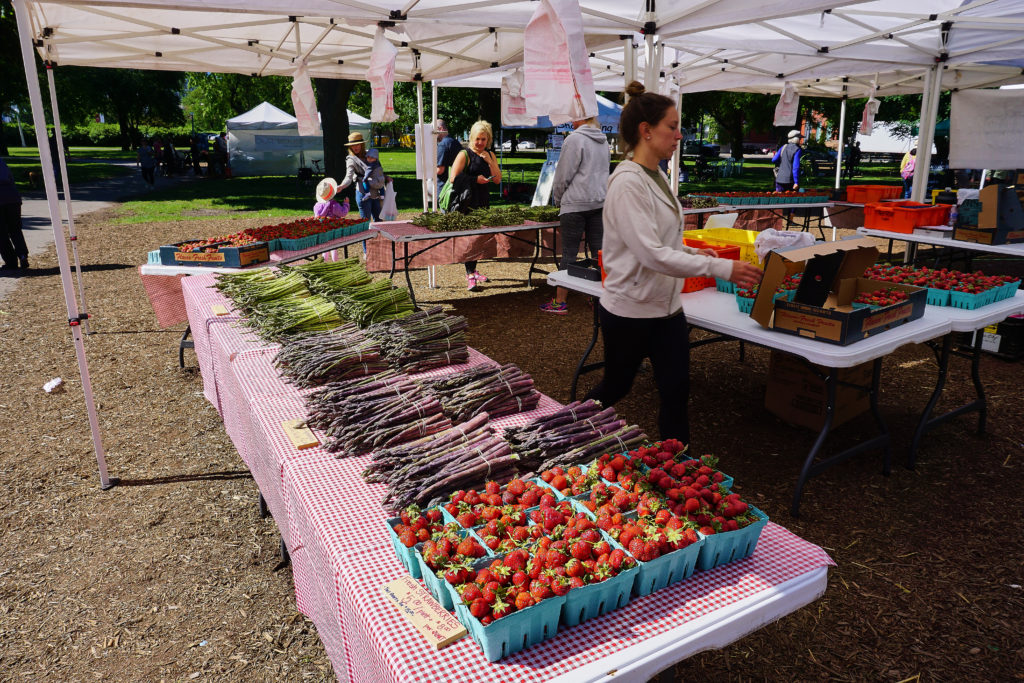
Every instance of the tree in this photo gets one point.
(213, 98)
(736, 113)
(129, 96)
(332, 97)
(13, 92)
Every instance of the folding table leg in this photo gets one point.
(882, 440)
(408, 280)
(185, 343)
(262, 506)
(980, 404)
(581, 367)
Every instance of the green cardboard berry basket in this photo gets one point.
(597, 599)
(512, 632)
(436, 584)
(938, 297)
(407, 556)
(719, 549)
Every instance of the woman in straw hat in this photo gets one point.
(356, 165)
(326, 205)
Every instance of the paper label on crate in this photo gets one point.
(215, 257)
(990, 342)
(419, 607)
(886, 317)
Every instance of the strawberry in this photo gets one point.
(408, 538)
(500, 608)
(580, 550)
(470, 592)
(524, 600)
(479, 608)
(540, 590)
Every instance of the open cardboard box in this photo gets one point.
(831, 278)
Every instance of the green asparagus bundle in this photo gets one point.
(249, 291)
(423, 340)
(321, 357)
(373, 302)
(273, 320)
(327, 278)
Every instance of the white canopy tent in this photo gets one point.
(444, 38)
(265, 141)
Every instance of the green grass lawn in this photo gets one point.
(284, 197)
(85, 164)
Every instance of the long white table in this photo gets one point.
(1006, 249)
(332, 529)
(716, 311)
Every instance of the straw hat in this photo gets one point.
(355, 139)
(327, 188)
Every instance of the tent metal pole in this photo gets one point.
(419, 115)
(675, 154)
(74, 319)
(651, 67)
(67, 194)
(926, 133)
(629, 52)
(842, 132)
(433, 117)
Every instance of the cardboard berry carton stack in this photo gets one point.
(411, 527)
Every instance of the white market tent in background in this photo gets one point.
(265, 141)
(695, 44)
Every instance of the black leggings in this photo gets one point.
(666, 341)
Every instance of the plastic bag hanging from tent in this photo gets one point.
(788, 107)
(304, 102)
(513, 102)
(867, 119)
(381, 75)
(557, 77)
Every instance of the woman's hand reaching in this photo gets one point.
(482, 180)
(745, 274)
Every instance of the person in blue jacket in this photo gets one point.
(787, 163)
(12, 242)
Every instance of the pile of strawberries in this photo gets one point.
(650, 502)
(938, 278)
(881, 297)
(451, 551)
(303, 227)
(576, 556)
(416, 526)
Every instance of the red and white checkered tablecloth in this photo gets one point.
(164, 294)
(333, 525)
(198, 297)
(380, 645)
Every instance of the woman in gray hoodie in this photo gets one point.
(581, 179)
(641, 309)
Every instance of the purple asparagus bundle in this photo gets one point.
(498, 390)
(422, 341)
(411, 461)
(312, 359)
(573, 435)
(468, 465)
(368, 413)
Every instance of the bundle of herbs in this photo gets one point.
(497, 389)
(423, 340)
(366, 413)
(321, 357)
(575, 434)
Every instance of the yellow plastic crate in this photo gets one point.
(730, 237)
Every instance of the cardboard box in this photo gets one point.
(821, 308)
(796, 391)
(1000, 219)
(223, 257)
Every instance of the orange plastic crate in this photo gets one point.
(904, 216)
(869, 194)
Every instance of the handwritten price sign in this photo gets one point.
(434, 622)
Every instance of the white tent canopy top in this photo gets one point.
(265, 116)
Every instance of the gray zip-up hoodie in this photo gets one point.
(581, 176)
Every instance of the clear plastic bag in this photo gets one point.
(389, 209)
